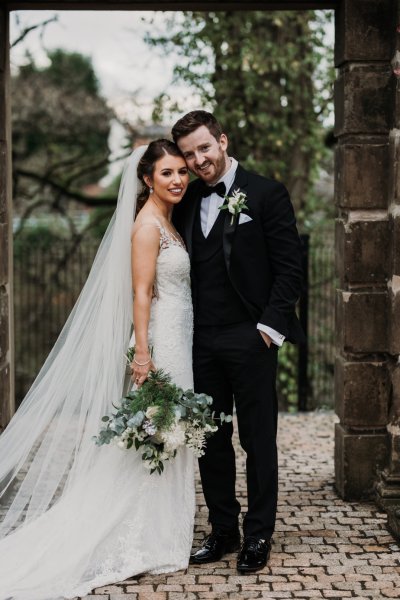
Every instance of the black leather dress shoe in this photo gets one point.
(253, 555)
(216, 545)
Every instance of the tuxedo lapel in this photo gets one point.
(239, 183)
(193, 204)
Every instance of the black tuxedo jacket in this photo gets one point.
(262, 256)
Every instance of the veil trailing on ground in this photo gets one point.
(47, 449)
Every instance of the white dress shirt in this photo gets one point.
(209, 211)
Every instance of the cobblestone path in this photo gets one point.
(323, 547)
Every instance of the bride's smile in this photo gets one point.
(168, 182)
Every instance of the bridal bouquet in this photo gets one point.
(158, 418)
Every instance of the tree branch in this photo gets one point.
(76, 196)
(93, 167)
(28, 30)
(26, 214)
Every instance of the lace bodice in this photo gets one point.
(171, 319)
(173, 268)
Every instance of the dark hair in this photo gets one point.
(155, 150)
(192, 121)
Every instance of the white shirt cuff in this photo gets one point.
(276, 337)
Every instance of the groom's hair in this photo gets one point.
(192, 121)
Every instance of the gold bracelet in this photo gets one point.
(141, 364)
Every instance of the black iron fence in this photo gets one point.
(48, 278)
(47, 281)
(317, 315)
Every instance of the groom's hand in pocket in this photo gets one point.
(266, 338)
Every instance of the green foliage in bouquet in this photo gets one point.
(157, 391)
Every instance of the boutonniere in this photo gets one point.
(234, 203)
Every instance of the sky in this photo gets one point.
(123, 62)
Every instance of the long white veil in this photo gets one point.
(47, 448)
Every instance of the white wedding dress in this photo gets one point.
(120, 521)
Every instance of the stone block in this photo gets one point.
(4, 324)
(363, 30)
(3, 101)
(358, 460)
(396, 395)
(394, 166)
(394, 222)
(4, 20)
(388, 485)
(4, 72)
(3, 184)
(394, 521)
(4, 263)
(6, 408)
(363, 248)
(363, 99)
(362, 393)
(394, 315)
(361, 321)
(361, 174)
(394, 426)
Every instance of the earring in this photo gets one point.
(151, 190)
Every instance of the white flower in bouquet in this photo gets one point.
(149, 428)
(196, 440)
(152, 411)
(174, 437)
(141, 435)
(210, 428)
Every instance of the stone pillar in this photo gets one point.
(363, 95)
(6, 294)
(388, 488)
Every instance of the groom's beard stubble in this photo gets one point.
(219, 166)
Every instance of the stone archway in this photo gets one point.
(367, 377)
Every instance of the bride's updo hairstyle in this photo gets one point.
(156, 150)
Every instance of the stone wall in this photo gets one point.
(6, 346)
(365, 324)
(388, 488)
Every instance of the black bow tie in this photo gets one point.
(219, 189)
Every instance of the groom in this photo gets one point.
(246, 279)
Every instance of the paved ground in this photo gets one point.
(323, 547)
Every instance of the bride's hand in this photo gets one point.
(141, 372)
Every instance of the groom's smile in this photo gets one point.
(205, 156)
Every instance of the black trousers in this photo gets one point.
(233, 363)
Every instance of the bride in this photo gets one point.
(77, 516)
